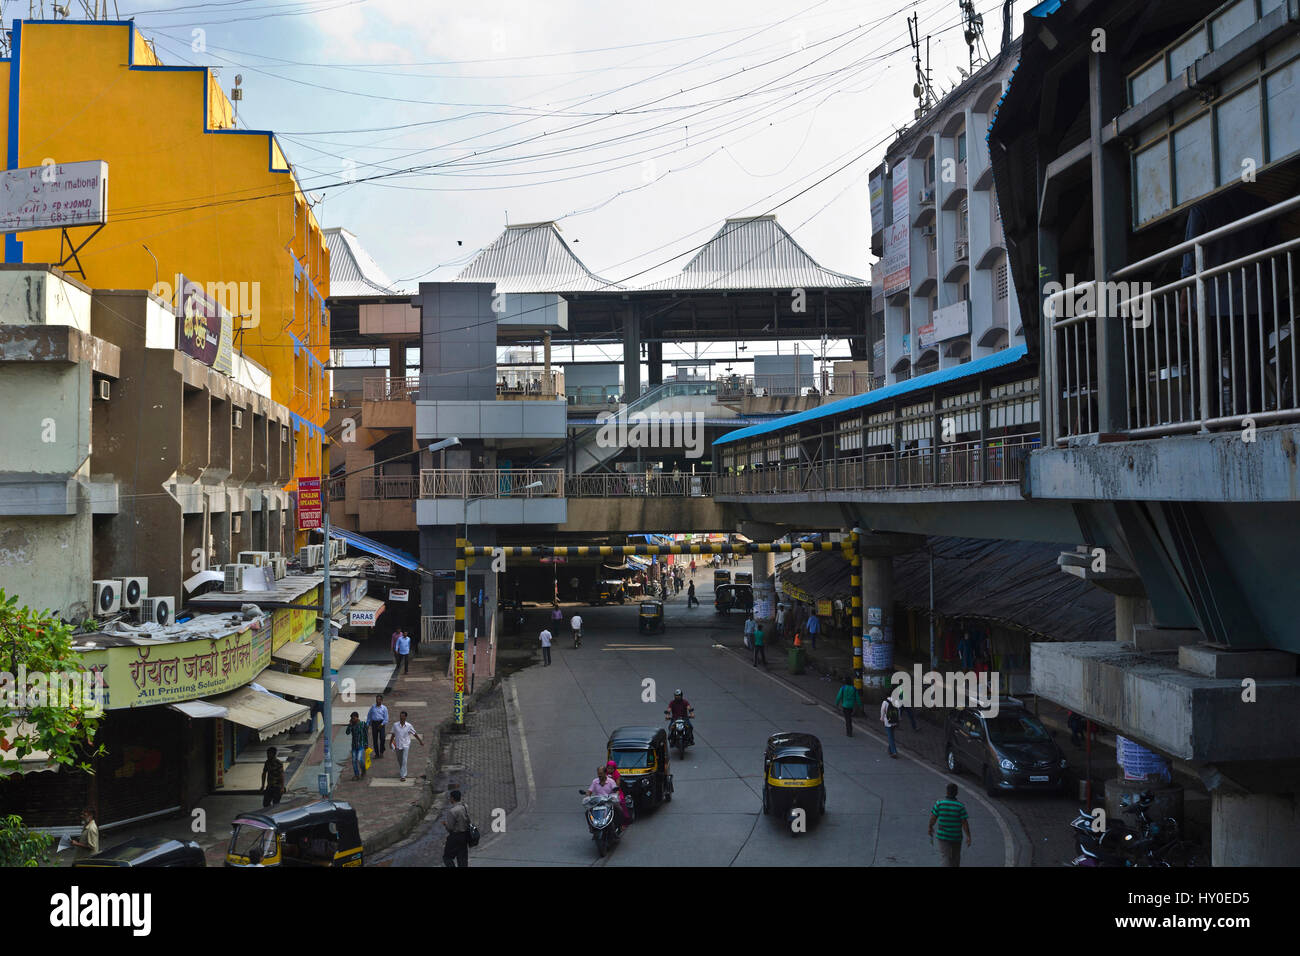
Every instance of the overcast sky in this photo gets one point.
(638, 127)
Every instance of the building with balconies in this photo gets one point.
(944, 295)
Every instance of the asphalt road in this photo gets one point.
(560, 718)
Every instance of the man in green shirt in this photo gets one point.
(949, 814)
(847, 701)
(758, 645)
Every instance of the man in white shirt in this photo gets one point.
(400, 741)
(545, 638)
(889, 717)
(749, 631)
(575, 625)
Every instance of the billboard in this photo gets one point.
(309, 504)
(205, 330)
(876, 183)
(54, 196)
(898, 237)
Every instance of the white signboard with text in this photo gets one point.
(362, 618)
(898, 237)
(951, 321)
(54, 196)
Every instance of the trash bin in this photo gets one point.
(796, 660)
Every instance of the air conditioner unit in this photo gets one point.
(259, 558)
(159, 610)
(343, 548)
(310, 556)
(134, 590)
(103, 388)
(108, 597)
(281, 567)
(234, 580)
(237, 419)
(927, 195)
(963, 250)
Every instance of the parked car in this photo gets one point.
(148, 852)
(1009, 751)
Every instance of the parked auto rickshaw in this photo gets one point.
(720, 577)
(733, 597)
(607, 592)
(794, 776)
(323, 833)
(150, 852)
(641, 755)
(744, 577)
(651, 617)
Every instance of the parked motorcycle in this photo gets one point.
(602, 813)
(1150, 843)
(680, 735)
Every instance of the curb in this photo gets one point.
(430, 796)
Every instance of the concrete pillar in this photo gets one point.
(764, 566)
(1129, 613)
(546, 353)
(396, 359)
(655, 363)
(631, 355)
(1254, 829)
(878, 620)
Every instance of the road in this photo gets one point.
(561, 716)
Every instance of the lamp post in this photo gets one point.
(327, 603)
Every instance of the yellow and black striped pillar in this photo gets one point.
(458, 642)
(855, 583)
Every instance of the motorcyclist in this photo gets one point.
(575, 625)
(602, 785)
(679, 706)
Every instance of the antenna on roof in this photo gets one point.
(974, 32)
(237, 94)
(921, 89)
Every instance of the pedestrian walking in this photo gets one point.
(377, 718)
(847, 700)
(811, 628)
(455, 820)
(272, 778)
(780, 619)
(545, 638)
(403, 648)
(1077, 726)
(948, 815)
(889, 717)
(691, 599)
(759, 653)
(359, 733)
(749, 631)
(400, 741)
(692, 567)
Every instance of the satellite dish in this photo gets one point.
(916, 90)
(239, 79)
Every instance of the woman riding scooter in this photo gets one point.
(612, 769)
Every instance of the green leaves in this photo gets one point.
(20, 846)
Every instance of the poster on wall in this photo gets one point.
(876, 184)
(204, 330)
(309, 504)
(898, 237)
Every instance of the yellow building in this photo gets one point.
(217, 204)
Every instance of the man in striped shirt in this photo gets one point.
(949, 814)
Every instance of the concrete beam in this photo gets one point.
(1229, 663)
(1145, 696)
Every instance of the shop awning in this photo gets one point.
(340, 649)
(296, 653)
(295, 685)
(199, 709)
(261, 711)
(344, 617)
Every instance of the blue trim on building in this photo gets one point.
(370, 546)
(14, 248)
(929, 380)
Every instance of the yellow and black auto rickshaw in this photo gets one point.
(641, 755)
(794, 777)
(744, 577)
(651, 617)
(611, 591)
(323, 834)
(720, 577)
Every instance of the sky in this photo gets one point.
(639, 128)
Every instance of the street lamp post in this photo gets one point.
(327, 604)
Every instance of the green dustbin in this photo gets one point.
(797, 660)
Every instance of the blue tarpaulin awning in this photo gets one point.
(370, 546)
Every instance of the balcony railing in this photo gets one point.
(1203, 352)
(623, 485)
(491, 483)
(529, 383)
(998, 461)
(384, 389)
(389, 487)
(440, 629)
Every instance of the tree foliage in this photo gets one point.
(20, 846)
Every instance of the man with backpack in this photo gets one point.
(889, 717)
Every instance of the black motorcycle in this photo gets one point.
(680, 735)
(603, 819)
(1150, 843)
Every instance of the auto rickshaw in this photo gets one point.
(641, 755)
(744, 577)
(794, 776)
(651, 617)
(323, 833)
(720, 577)
(607, 592)
(733, 597)
(146, 852)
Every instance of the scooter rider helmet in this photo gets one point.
(677, 692)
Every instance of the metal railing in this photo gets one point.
(439, 629)
(1205, 351)
(384, 389)
(529, 383)
(995, 461)
(621, 485)
(733, 387)
(389, 487)
(491, 483)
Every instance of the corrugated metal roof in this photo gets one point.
(754, 253)
(929, 380)
(370, 546)
(533, 257)
(352, 270)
